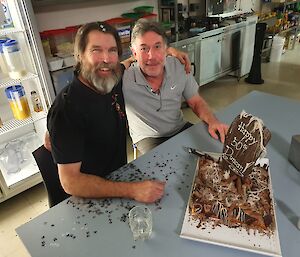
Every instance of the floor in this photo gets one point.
(281, 78)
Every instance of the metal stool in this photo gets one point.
(134, 146)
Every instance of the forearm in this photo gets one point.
(202, 110)
(91, 186)
(80, 184)
(215, 128)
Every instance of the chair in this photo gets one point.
(49, 172)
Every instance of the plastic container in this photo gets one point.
(3, 65)
(132, 15)
(14, 59)
(144, 9)
(18, 102)
(7, 20)
(59, 40)
(150, 16)
(55, 63)
(167, 27)
(277, 47)
(123, 26)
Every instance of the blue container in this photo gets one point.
(17, 101)
(15, 91)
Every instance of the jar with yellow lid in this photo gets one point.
(18, 102)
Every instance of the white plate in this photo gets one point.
(238, 238)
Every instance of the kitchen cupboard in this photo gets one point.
(230, 49)
(191, 47)
(210, 58)
(222, 51)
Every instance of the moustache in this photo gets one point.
(100, 66)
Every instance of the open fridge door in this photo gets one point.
(26, 93)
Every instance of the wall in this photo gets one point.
(70, 16)
(64, 15)
(247, 5)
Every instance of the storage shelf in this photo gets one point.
(289, 29)
(8, 31)
(268, 19)
(16, 171)
(291, 2)
(8, 81)
(16, 124)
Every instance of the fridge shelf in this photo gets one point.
(17, 162)
(8, 81)
(5, 32)
(16, 124)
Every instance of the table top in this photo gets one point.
(87, 227)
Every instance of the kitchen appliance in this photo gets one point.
(19, 172)
(214, 7)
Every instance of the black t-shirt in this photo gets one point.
(88, 127)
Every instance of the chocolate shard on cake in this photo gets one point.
(244, 143)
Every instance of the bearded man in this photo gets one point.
(87, 122)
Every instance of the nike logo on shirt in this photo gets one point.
(172, 87)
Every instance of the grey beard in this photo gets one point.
(102, 85)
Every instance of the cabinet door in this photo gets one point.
(190, 50)
(210, 58)
(190, 47)
(247, 48)
(231, 44)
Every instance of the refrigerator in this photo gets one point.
(19, 137)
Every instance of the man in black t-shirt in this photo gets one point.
(87, 122)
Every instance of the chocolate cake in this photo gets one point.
(244, 143)
(232, 190)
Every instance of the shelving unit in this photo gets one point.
(18, 138)
(271, 21)
(168, 12)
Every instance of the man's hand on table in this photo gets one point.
(218, 130)
(148, 191)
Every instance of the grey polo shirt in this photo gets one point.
(157, 115)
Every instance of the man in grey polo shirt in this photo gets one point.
(153, 90)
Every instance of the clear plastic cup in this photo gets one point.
(140, 222)
(3, 65)
(14, 59)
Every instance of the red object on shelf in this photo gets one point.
(119, 21)
(123, 26)
(150, 16)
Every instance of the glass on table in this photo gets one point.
(140, 222)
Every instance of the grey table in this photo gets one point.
(78, 227)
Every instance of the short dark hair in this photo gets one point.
(81, 39)
(143, 25)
